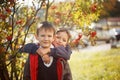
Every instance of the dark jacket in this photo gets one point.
(33, 67)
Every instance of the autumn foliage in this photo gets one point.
(18, 21)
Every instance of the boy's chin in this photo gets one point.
(46, 46)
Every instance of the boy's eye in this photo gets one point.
(42, 35)
(58, 37)
(49, 35)
(64, 40)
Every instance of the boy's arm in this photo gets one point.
(29, 48)
(61, 51)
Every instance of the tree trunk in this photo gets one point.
(3, 68)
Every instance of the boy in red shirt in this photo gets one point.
(45, 36)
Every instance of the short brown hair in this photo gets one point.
(45, 25)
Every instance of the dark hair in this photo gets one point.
(45, 25)
(64, 30)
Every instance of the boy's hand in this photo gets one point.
(42, 51)
(46, 58)
(55, 43)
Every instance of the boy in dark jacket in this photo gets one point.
(35, 66)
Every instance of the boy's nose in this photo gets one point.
(60, 40)
(46, 38)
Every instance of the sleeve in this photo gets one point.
(61, 51)
(67, 75)
(29, 48)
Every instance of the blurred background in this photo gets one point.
(93, 24)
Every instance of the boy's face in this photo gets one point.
(45, 38)
(61, 38)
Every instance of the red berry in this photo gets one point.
(78, 38)
(11, 0)
(53, 7)
(3, 17)
(19, 22)
(94, 8)
(93, 33)
(76, 41)
(58, 13)
(80, 35)
(8, 10)
(9, 38)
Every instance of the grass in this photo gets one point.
(104, 65)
